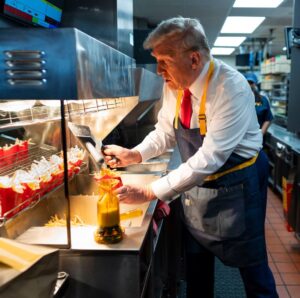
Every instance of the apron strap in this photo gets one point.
(241, 166)
(201, 114)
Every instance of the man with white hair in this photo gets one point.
(208, 111)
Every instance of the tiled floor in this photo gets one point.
(283, 250)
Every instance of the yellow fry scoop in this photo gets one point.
(131, 214)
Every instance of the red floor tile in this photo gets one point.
(292, 279)
(295, 256)
(273, 267)
(279, 227)
(282, 292)
(288, 238)
(286, 267)
(276, 219)
(275, 247)
(278, 280)
(271, 214)
(294, 291)
(280, 257)
(291, 249)
(273, 240)
(283, 250)
(282, 233)
(297, 264)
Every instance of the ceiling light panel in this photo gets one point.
(257, 3)
(241, 24)
(222, 51)
(229, 41)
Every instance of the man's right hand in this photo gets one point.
(117, 156)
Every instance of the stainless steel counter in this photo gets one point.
(286, 137)
(84, 204)
(96, 270)
(82, 237)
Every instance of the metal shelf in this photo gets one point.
(278, 107)
(23, 160)
(278, 98)
(21, 113)
(33, 200)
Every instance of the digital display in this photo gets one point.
(45, 13)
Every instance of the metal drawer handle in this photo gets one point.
(26, 73)
(27, 82)
(25, 63)
(24, 54)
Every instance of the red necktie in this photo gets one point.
(186, 109)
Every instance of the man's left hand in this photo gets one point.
(131, 194)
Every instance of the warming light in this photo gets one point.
(257, 3)
(241, 24)
(222, 51)
(229, 41)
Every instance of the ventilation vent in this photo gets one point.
(25, 67)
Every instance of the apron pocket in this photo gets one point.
(218, 212)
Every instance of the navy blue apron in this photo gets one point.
(226, 215)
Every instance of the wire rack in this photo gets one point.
(18, 112)
(22, 160)
(81, 107)
(28, 115)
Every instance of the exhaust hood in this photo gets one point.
(61, 63)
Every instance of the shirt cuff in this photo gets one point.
(144, 150)
(162, 189)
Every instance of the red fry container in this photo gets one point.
(23, 150)
(46, 185)
(7, 201)
(10, 153)
(119, 182)
(2, 159)
(77, 163)
(28, 195)
(71, 170)
(58, 177)
(76, 169)
(18, 200)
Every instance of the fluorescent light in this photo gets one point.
(257, 3)
(284, 48)
(222, 51)
(241, 24)
(229, 41)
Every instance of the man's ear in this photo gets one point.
(195, 59)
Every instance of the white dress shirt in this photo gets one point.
(232, 126)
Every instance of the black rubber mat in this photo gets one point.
(228, 282)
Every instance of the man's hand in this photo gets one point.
(131, 194)
(117, 156)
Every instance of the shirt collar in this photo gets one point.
(197, 86)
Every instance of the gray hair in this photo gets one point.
(189, 32)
